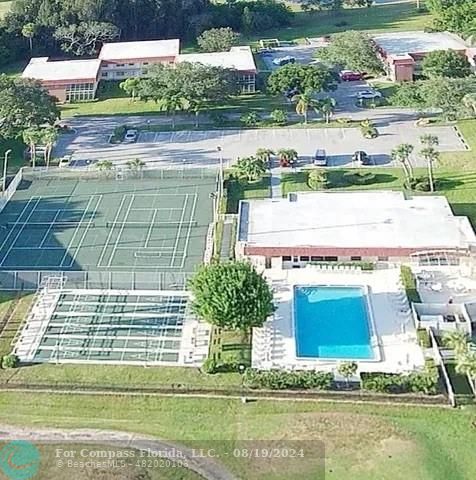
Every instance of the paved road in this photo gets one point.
(205, 467)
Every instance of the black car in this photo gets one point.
(361, 157)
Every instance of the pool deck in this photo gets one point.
(394, 335)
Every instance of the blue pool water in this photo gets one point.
(331, 322)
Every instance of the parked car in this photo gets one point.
(291, 92)
(361, 157)
(368, 94)
(131, 136)
(320, 158)
(280, 61)
(350, 76)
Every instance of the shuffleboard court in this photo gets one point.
(154, 223)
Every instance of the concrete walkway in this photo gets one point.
(201, 465)
(276, 190)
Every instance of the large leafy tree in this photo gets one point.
(446, 63)
(231, 295)
(85, 38)
(453, 15)
(447, 94)
(24, 103)
(217, 39)
(353, 50)
(314, 78)
(250, 169)
(192, 86)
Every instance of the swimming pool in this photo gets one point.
(332, 322)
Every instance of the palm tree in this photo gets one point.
(265, 155)
(250, 168)
(401, 153)
(430, 155)
(171, 105)
(49, 135)
(136, 165)
(32, 136)
(456, 340)
(304, 102)
(326, 107)
(28, 31)
(287, 156)
(429, 140)
(105, 166)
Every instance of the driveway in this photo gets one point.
(199, 148)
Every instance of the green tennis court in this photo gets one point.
(155, 223)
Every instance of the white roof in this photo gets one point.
(144, 49)
(238, 58)
(354, 220)
(41, 69)
(400, 43)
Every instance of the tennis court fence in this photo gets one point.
(31, 280)
(50, 173)
(11, 189)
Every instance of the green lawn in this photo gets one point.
(8, 299)
(239, 190)
(362, 442)
(396, 17)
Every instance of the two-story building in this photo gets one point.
(132, 59)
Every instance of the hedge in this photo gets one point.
(409, 283)
(425, 381)
(283, 380)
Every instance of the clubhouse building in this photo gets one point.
(77, 80)
(374, 226)
(403, 52)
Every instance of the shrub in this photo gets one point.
(118, 134)
(368, 130)
(317, 179)
(282, 380)
(420, 184)
(10, 361)
(360, 178)
(279, 117)
(209, 365)
(250, 119)
(409, 283)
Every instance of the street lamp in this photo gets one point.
(241, 369)
(5, 164)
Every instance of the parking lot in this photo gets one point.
(199, 149)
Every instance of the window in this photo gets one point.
(120, 65)
(104, 74)
(317, 259)
(120, 74)
(286, 258)
(131, 64)
(145, 63)
(355, 259)
(78, 92)
(330, 259)
(382, 259)
(304, 259)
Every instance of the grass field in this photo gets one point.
(362, 442)
(8, 299)
(394, 17)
